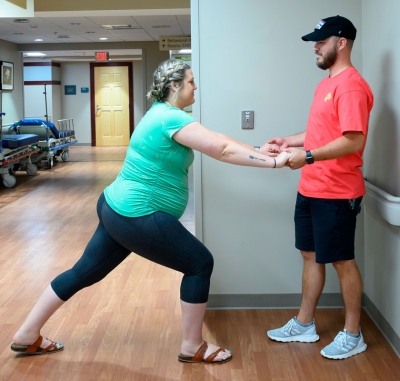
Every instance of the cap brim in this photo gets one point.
(317, 35)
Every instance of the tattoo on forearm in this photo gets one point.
(256, 158)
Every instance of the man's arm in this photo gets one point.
(350, 142)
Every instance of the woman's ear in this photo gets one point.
(174, 85)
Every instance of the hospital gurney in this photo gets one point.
(15, 155)
(53, 142)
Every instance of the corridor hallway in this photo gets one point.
(128, 327)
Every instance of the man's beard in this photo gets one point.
(328, 60)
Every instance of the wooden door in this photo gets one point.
(112, 105)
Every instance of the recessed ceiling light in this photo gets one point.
(103, 38)
(17, 33)
(74, 23)
(34, 54)
(89, 32)
(38, 39)
(21, 21)
(161, 26)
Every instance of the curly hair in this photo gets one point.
(167, 71)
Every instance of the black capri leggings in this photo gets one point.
(158, 237)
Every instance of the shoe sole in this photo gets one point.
(300, 339)
(353, 352)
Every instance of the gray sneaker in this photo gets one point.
(293, 331)
(344, 346)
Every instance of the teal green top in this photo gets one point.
(154, 177)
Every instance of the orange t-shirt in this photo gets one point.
(342, 103)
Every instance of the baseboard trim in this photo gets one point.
(292, 301)
(387, 330)
(268, 301)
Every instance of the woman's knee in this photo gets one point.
(203, 264)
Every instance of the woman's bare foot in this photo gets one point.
(190, 349)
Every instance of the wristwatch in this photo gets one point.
(257, 148)
(309, 158)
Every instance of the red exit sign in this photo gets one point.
(101, 56)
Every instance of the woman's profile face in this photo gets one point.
(186, 92)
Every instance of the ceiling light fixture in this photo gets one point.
(161, 26)
(119, 26)
(17, 33)
(34, 54)
(89, 32)
(103, 38)
(38, 39)
(21, 21)
(74, 23)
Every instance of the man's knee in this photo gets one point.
(308, 255)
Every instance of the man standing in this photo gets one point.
(331, 186)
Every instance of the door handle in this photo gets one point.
(97, 107)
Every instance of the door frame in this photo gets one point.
(92, 96)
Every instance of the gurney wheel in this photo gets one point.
(50, 162)
(31, 169)
(9, 180)
(64, 155)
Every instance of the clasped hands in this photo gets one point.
(275, 146)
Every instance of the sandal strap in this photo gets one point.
(52, 346)
(35, 346)
(212, 355)
(198, 357)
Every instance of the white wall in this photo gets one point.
(12, 101)
(381, 57)
(77, 106)
(263, 66)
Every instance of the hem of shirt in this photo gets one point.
(332, 196)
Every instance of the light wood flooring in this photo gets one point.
(128, 327)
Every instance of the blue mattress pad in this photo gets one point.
(18, 140)
(39, 122)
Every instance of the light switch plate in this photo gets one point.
(247, 120)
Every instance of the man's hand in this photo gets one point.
(270, 149)
(274, 147)
(297, 159)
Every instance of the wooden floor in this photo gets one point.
(128, 327)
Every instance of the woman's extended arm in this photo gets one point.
(221, 148)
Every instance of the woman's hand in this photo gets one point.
(282, 158)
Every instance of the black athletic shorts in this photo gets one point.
(326, 226)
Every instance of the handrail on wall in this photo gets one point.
(385, 204)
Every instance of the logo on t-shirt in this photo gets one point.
(329, 96)
(320, 24)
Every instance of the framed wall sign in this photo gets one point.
(7, 75)
(70, 89)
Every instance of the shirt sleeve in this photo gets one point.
(175, 120)
(353, 111)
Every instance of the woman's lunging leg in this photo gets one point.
(100, 257)
(47, 304)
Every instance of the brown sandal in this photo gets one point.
(198, 357)
(35, 348)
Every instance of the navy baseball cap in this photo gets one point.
(332, 26)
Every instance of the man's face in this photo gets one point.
(327, 52)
